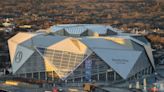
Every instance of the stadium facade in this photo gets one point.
(80, 52)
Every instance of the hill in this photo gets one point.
(145, 14)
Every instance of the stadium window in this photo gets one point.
(42, 75)
(35, 75)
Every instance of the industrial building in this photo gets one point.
(79, 53)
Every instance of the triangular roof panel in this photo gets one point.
(121, 61)
(70, 45)
(43, 41)
(103, 43)
(21, 56)
(12, 49)
(141, 64)
(148, 49)
(21, 37)
(18, 39)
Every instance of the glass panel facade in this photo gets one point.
(77, 79)
(49, 75)
(36, 75)
(64, 61)
(148, 70)
(118, 77)
(29, 75)
(22, 75)
(70, 80)
(102, 77)
(99, 71)
(34, 64)
(95, 77)
(55, 76)
(110, 76)
(42, 75)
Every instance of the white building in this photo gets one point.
(80, 52)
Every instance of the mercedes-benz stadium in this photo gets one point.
(79, 53)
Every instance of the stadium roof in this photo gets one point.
(80, 28)
(121, 53)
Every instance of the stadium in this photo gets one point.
(80, 53)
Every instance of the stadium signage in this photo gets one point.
(18, 56)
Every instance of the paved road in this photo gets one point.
(111, 89)
(20, 89)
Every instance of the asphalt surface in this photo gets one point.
(74, 89)
(112, 89)
(20, 89)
